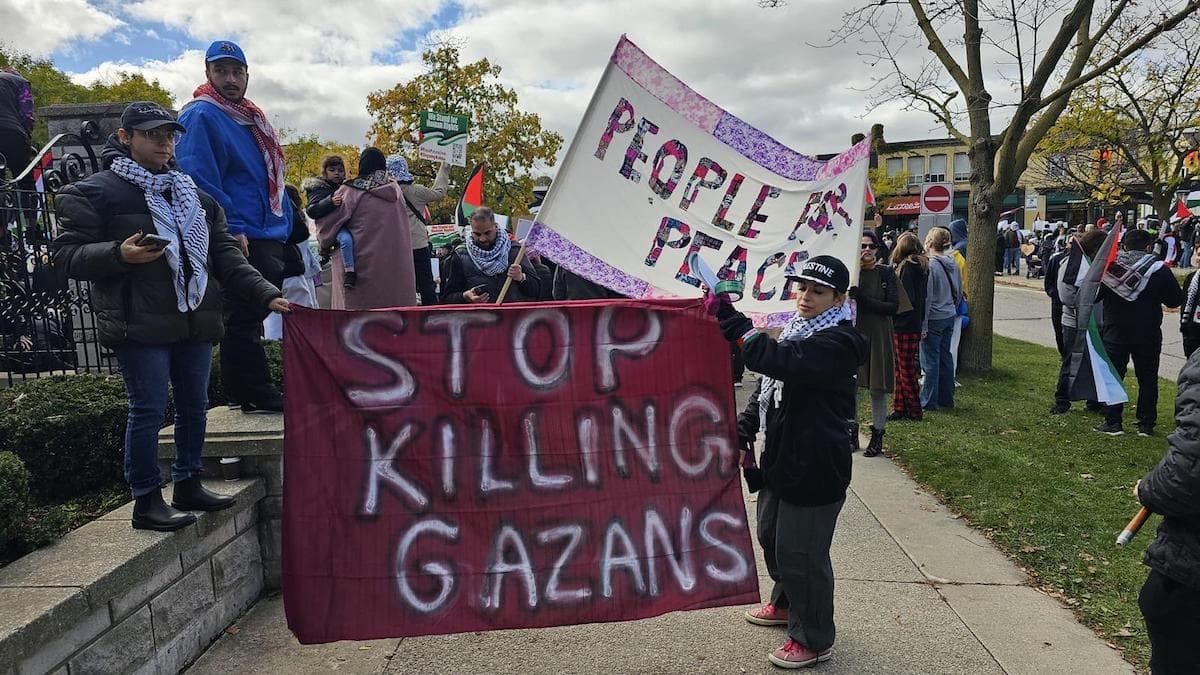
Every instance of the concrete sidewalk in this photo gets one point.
(917, 592)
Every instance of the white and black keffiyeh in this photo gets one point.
(798, 328)
(491, 262)
(181, 221)
(1191, 313)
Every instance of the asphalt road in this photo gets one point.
(1024, 313)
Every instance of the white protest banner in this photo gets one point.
(656, 172)
(443, 137)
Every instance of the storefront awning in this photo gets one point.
(902, 206)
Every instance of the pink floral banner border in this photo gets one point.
(750, 142)
(566, 254)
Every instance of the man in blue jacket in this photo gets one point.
(233, 154)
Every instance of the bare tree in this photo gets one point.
(1135, 125)
(1035, 54)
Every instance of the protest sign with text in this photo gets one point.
(656, 172)
(443, 137)
(518, 466)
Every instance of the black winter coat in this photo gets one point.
(1172, 489)
(319, 194)
(916, 284)
(1139, 322)
(136, 303)
(806, 458)
(462, 274)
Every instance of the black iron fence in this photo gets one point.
(46, 321)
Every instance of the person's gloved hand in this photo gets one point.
(745, 443)
(735, 325)
(725, 308)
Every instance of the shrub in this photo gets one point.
(14, 496)
(69, 430)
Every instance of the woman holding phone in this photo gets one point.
(157, 253)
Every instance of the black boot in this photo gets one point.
(350, 279)
(190, 495)
(150, 512)
(268, 401)
(852, 429)
(875, 447)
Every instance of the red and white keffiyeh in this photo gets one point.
(247, 114)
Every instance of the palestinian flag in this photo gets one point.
(1092, 375)
(472, 196)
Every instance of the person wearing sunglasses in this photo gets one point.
(877, 297)
(158, 253)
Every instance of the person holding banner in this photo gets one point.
(1170, 598)
(803, 400)
(476, 270)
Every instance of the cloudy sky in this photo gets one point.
(313, 64)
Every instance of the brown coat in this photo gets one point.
(877, 298)
(383, 255)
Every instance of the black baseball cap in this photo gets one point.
(147, 115)
(825, 270)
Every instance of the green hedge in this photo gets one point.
(216, 392)
(69, 430)
(14, 496)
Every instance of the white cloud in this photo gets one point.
(40, 27)
(313, 65)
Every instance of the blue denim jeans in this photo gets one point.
(345, 242)
(147, 371)
(936, 361)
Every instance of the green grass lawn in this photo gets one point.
(1049, 490)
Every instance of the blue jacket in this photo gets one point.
(222, 157)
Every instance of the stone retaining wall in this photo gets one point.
(107, 598)
(257, 441)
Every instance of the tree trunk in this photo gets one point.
(1164, 204)
(975, 353)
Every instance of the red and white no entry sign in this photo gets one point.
(936, 198)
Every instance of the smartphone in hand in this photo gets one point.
(153, 241)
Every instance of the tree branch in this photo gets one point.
(1069, 85)
(938, 47)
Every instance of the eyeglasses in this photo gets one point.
(161, 135)
(869, 247)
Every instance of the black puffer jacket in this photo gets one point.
(318, 192)
(463, 274)
(1172, 489)
(806, 458)
(136, 303)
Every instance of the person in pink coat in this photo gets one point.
(372, 207)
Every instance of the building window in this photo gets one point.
(962, 167)
(937, 169)
(916, 170)
(894, 166)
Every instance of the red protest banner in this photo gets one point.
(480, 468)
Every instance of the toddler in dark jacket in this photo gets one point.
(322, 200)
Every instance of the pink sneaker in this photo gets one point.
(795, 655)
(767, 615)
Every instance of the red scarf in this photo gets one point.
(247, 114)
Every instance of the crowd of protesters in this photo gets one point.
(190, 236)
